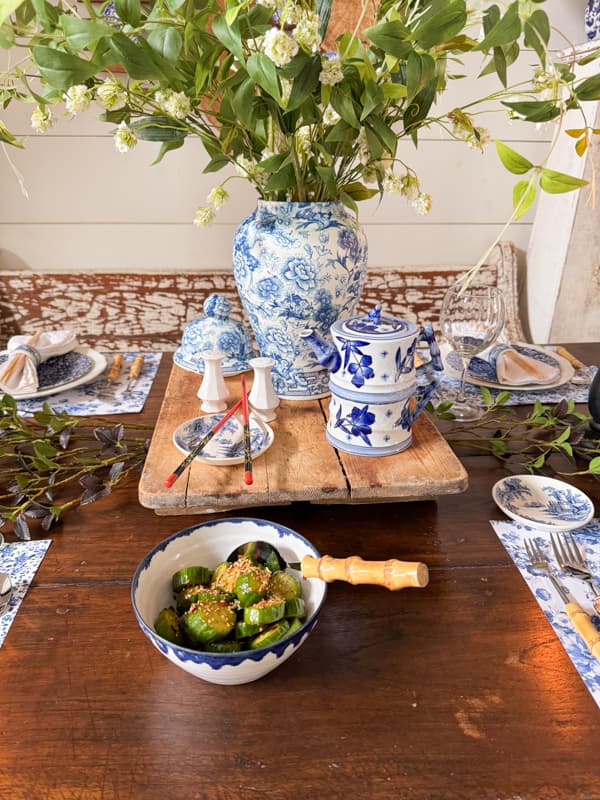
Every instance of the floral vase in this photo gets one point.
(298, 266)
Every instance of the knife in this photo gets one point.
(585, 373)
(580, 620)
(134, 373)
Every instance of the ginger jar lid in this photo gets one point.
(215, 331)
(375, 326)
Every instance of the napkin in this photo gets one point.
(19, 374)
(516, 369)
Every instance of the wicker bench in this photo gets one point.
(117, 310)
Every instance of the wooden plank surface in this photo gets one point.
(300, 465)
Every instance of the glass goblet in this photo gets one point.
(471, 318)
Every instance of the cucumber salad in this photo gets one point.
(240, 605)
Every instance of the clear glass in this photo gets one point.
(471, 318)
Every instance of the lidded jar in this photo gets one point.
(215, 331)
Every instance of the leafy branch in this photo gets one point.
(51, 462)
(534, 442)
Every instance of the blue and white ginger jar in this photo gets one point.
(298, 266)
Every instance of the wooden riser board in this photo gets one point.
(300, 465)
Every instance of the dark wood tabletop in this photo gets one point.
(457, 691)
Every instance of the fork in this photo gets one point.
(571, 562)
(579, 618)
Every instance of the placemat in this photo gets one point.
(447, 389)
(511, 534)
(20, 561)
(100, 398)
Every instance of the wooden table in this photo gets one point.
(460, 690)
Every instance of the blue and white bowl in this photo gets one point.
(209, 543)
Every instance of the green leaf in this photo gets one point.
(524, 194)
(535, 110)
(241, 101)
(62, 70)
(539, 461)
(9, 138)
(505, 31)
(305, 84)
(159, 128)
(502, 397)
(7, 7)
(358, 191)
(594, 466)
(165, 148)
(487, 396)
(283, 179)
(46, 13)
(419, 108)
(558, 182)
(500, 64)
(420, 69)
(7, 37)
(129, 11)
(167, 41)
(81, 33)
(230, 37)
(392, 37)
(442, 22)
(513, 161)
(324, 13)
(342, 103)
(537, 33)
(139, 60)
(589, 89)
(263, 72)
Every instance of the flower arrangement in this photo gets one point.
(300, 117)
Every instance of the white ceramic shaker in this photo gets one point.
(262, 396)
(213, 390)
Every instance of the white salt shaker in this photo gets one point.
(262, 397)
(213, 390)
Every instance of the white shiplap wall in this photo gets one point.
(92, 208)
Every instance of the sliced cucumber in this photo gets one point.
(265, 612)
(251, 587)
(295, 624)
(190, 576)
(244, 630)
(223, 647)
(294, 607)
(208, 621)
(167, 626)
(271, 635)
(284, 584)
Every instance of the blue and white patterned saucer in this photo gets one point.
(227, 445)
(59, 373)
(547, 504)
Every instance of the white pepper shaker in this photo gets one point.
(262, 397)
(213, 390)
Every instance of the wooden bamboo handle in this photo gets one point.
(584, 627)
(392, 574)
(115, 368)
(573, 361)
(136, 367)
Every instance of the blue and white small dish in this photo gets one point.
(59, 373)
(215, 331)
(227, 445)
(546, 504)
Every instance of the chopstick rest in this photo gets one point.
(247, 441)
(170, 480)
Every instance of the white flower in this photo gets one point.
(422, 203)
(110, 95)
(204, 217)
(41, 119)
(331, 71)
(392, 183)
(330, 116)
(175, 104)
(303, 139)
(125, 138)
(279, 47)
(364, 154)
(479, 138)
(77, 99)
(217, 197)
(307, 32)
(244, 167)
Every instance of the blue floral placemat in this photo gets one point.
(512, 534)
(100, 398)
(20, 561)
(447, 389)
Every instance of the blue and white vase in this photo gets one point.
(298, 266)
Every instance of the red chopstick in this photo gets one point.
(246, 421)
(202, 443)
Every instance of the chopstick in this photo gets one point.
(17, 361)
(202, 443)
(246, 421)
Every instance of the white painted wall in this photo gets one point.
(91, 208)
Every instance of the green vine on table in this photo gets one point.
(549, 439)
(51, 462)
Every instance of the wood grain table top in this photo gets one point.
(459, 691)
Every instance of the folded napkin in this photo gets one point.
(19, 374)
(515, 369)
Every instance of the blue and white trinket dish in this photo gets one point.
(227, 445)
(546, 504)
(215, 331)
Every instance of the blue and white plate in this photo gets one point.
(544, 503)
(227, 445)
(60, 373)
(482, 372)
